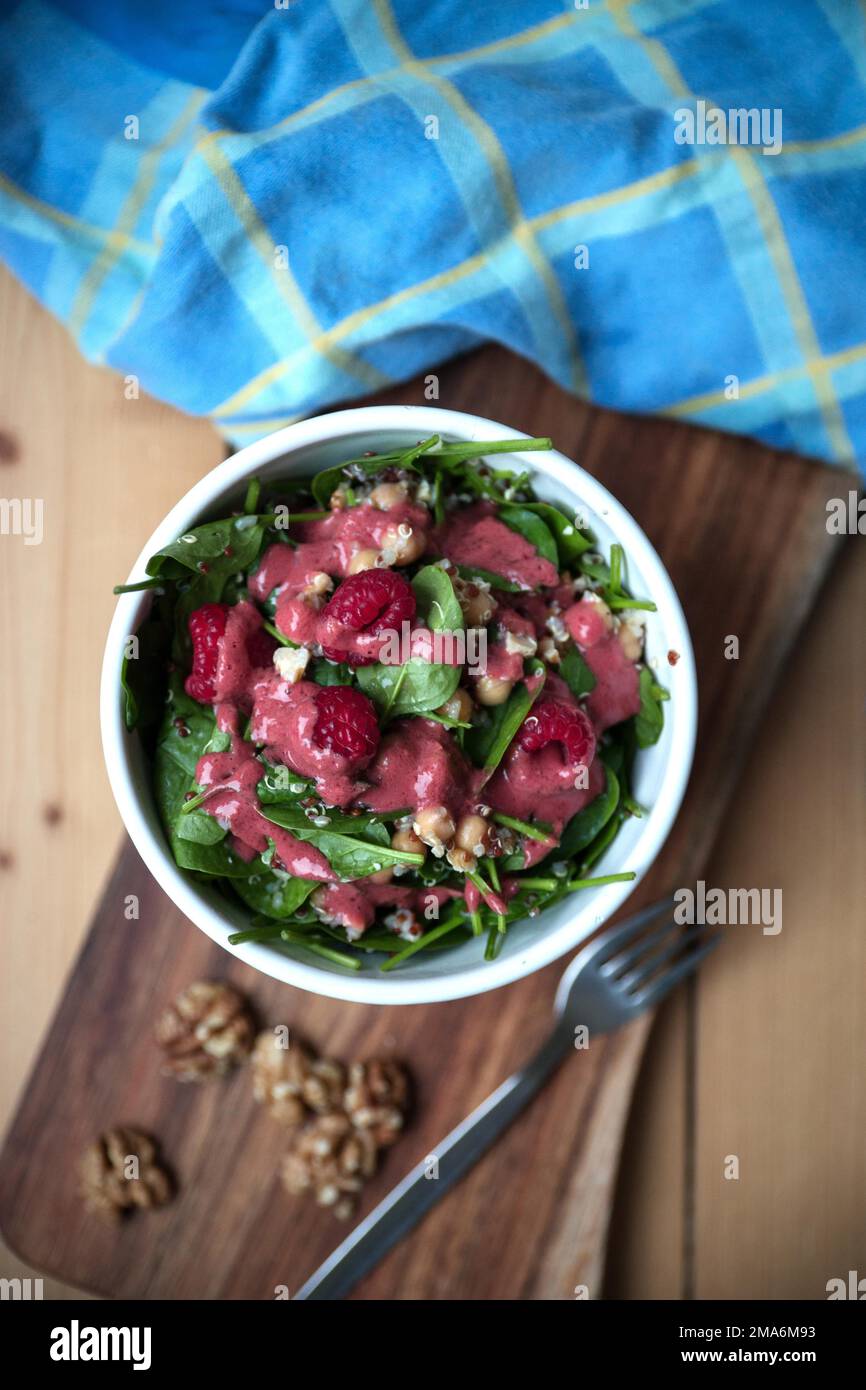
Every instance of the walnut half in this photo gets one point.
(205, 1032)
(377, 1098)
(332, 1160)
(120, 1171)
(290, 1081)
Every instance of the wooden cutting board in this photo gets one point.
(742, 531)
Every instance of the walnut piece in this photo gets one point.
(205, 1032)
(120, 1171)
(290, 1081)
(331, 1159)
(377, 1098)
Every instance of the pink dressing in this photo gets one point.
(617, 691)
(232, 681)
(354, 905)
(283, 719)
(503, 664)
(475, 536)
(235, 805)
(542, 786)
(325, 547)
(419, 764)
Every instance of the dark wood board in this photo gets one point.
(742, 531)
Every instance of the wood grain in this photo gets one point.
(743, 534)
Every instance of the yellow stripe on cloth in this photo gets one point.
(283, 279)
(129, 214)
(492, 151)
(773, 231)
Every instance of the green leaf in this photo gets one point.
(496, 581)
(576, 674)
(419, 685)
(177, 753)
(349, 857)
(528, 524)
(142, 679)
(273, 894)
(650, 719)
(325, 672)
(206, 546)
(488, 742)
(326, 482)
(196, 825)
(569, 541)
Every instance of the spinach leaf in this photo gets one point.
(196, 825)
(569, 541)
(496, 581)
(326, 482)
(533, 529)
(419, 685)
(211, 552)
(142, 678)
(602, 841)
(273, 894)
(348, 856)
(650, 719)
(181, 742)
(488, 742)
(576, 674)
(325, 672)
(586, 825)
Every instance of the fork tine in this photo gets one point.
(617, 964)
(606, 945)
(648, 963)
(654, 993)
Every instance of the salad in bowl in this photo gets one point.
(392, 710)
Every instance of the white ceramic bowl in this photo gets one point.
(661, 772)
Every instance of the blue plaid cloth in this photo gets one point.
(259, 210)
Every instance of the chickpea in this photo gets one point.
(435, 826)
(383, 876)
(363, 560)
(631, 634)
(408, 842)
(477, 604)
(388, 495)
(492, 690)
(472, 834)
(461, 859)
(401, 545)
(318, 585)
(459, 707)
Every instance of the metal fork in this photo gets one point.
(622, 972)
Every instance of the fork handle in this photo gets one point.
(412, 1198)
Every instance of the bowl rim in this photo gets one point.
(401, 988)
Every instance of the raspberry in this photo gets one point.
(351, 658)
(346, 722)
(206, 626)
(371, 602)
(554, 721)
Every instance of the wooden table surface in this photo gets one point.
(760, 1059)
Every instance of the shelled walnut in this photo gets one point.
(205, 1032)
(331, 1159)
(290, 1081)
(377, 1098)
(120, 1171)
